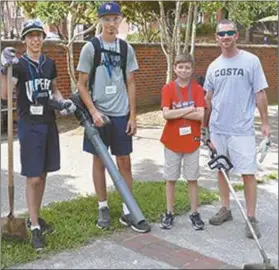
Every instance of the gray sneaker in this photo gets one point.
(223, 215)
(255, 225)
(103, 218)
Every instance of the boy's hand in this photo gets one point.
(8, 57)
(97, 118)
(205, 136)
(131, 127)
(70, 107)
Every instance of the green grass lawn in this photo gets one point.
(75, 219)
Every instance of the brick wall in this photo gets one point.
(152, 74)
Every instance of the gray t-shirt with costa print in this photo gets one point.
(234, 82)
(116, 102)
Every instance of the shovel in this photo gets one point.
(12, 227)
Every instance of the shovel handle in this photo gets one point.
(10, 138)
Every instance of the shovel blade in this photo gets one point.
(14, 228)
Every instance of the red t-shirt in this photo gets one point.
(170, 137)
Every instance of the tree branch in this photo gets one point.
(81, 33)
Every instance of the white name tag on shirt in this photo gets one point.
(110, 90)
(36, 110)
(185, 131)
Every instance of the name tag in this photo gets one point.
(36, 110)
(185, 131)
(111, 89)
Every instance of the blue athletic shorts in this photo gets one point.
(39, 148)
(114, 136)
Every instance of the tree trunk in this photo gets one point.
(188, 28)
(3, 21)
(248, 34)
(170, 38)
(98, 29)
(176, 29)
(16, 20)
(194, 28)
(145, 32)
(8, 20)
(169, 67)
(70, 51)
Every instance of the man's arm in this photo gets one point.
(197, 115)
(56, 93)
(208, 108)
(87, 100)
(131, 88)
(177, 113)
(84, 93)
(262, 105)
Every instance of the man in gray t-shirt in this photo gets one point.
(110, 95)
(235, 84)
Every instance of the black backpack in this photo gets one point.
(97, 58)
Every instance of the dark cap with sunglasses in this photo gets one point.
(229, 33)
(32, 25)
(110, 8)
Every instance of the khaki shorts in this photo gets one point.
(172, 168)
(241, 150)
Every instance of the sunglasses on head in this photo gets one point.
(223, 33)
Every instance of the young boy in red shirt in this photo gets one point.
(183, 108)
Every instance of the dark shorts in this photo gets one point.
(39, 148)
(113, 136)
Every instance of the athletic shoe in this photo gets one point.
(37, 239)
(103, 218)
(45, 227)
(142, 227)
(197, 223)
(167, 221)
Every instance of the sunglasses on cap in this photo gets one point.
(35, 22)
(229, 33)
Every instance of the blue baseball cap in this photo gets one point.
(32, 25)
(110, 8)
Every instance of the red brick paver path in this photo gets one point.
(162, 250)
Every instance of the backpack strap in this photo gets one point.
(97, 58)
(123, 58)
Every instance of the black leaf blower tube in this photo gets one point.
(92, 134)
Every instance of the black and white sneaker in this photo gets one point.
(197, 223)
(142, 227)
(167, 221)
(45, 227)
(37, 239)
